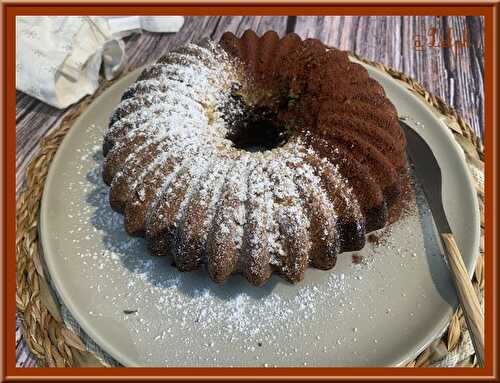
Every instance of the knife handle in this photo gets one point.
(466, 295)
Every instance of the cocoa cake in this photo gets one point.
(254, 155)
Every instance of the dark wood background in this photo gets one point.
(452, 68)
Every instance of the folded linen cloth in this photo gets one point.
(58, 58)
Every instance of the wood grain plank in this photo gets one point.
(148, 47)
(463, 71)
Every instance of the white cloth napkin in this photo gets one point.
(58, 58)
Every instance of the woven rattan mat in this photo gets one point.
(54, 342)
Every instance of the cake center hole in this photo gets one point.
(257, 131)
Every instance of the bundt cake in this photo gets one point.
(254, 155)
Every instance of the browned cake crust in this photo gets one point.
(255, 155)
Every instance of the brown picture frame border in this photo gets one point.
(11, 9)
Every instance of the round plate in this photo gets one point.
(378, 307)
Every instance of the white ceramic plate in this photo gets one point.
(143, 312)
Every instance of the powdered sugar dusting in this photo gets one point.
(176, 319)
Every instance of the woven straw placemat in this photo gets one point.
(55, 342)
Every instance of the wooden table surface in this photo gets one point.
(445, 54)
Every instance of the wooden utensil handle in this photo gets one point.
(466, 295)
